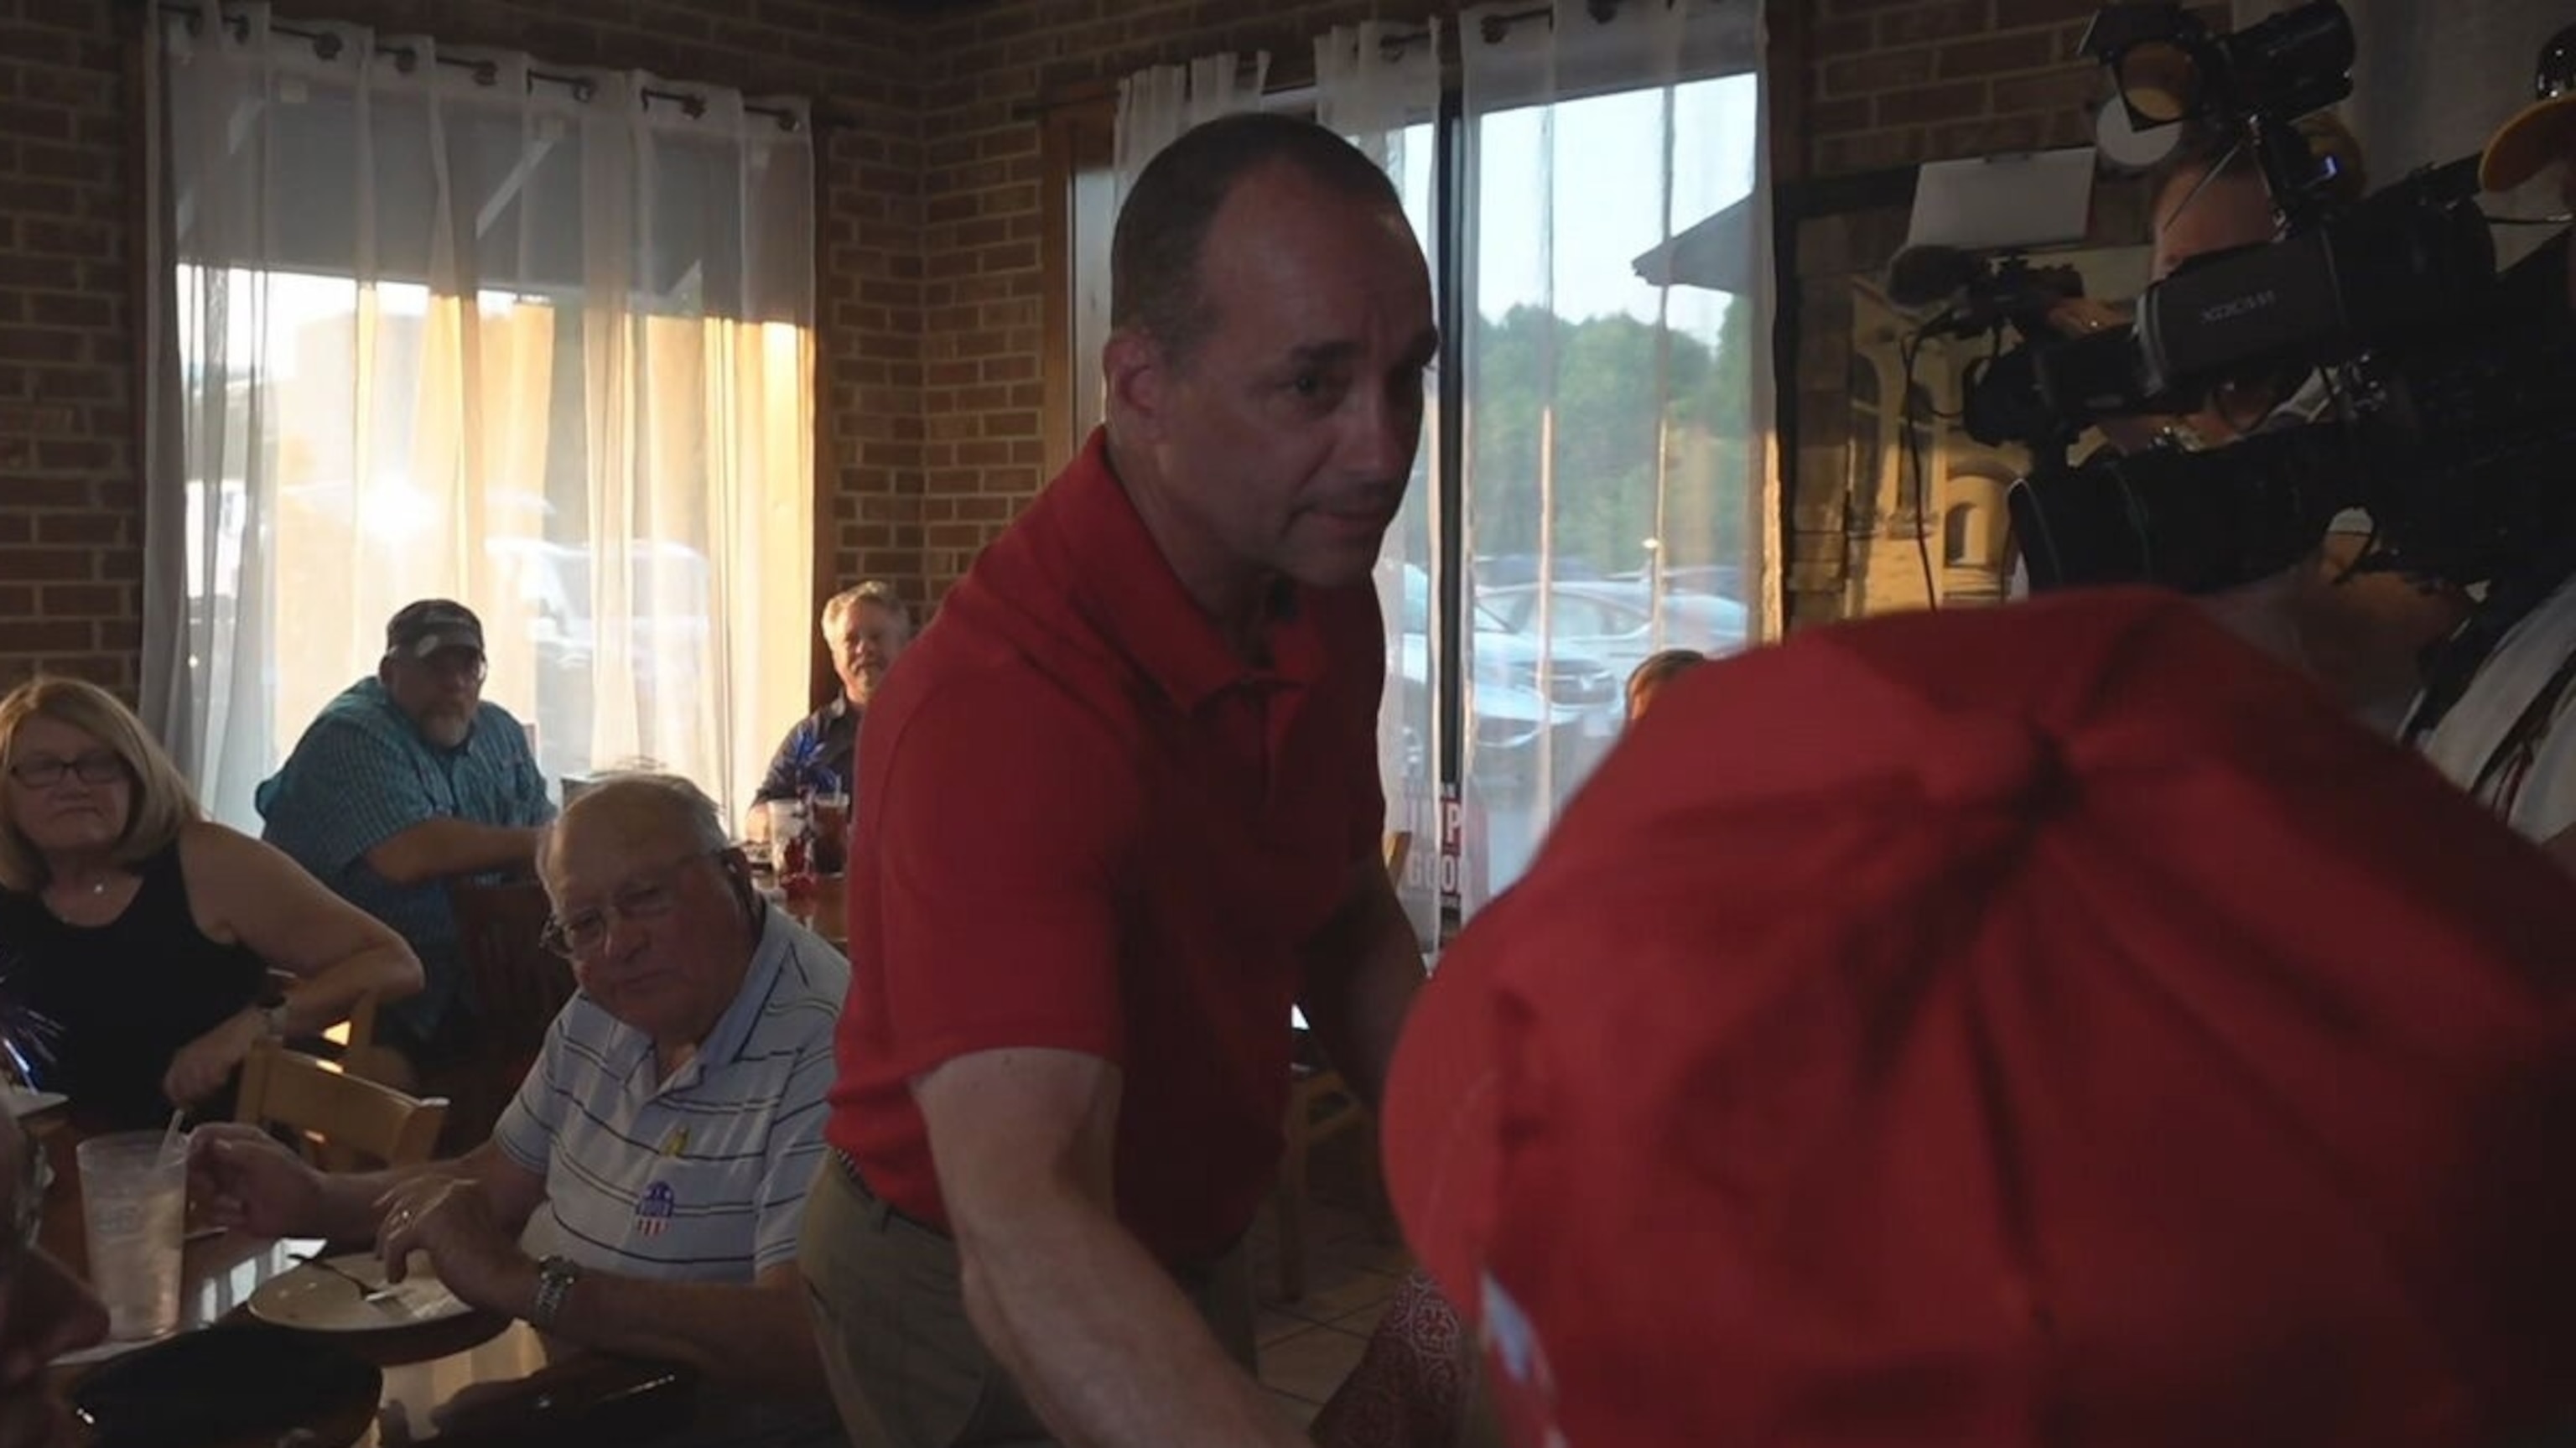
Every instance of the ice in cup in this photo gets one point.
(134, 1201)
(786, 820)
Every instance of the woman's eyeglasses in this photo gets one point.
(44, 772)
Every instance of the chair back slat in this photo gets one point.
(344, 1122)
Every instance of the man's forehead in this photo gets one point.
(869, 614)
(599, 855)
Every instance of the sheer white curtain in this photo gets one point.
(1159, 102)
(1379, 84)
(1618, 459)
(431, 323)
(1154, 106)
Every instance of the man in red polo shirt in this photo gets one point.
(1124, 812)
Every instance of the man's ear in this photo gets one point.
(1138, 381)
(385, 671)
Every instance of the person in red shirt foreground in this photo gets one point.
(1122, 813)
(2056, 1025)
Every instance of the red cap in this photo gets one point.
(2053, 1025)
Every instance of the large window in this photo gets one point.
(1592, 482)
(456, 326)
(1611, 476)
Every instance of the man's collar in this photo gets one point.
(1144, 607)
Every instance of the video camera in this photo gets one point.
(2455, 386)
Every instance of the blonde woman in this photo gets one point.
(145, 934)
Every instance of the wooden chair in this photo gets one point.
(343, 1122)
(518, 989)
(1321, 1106)
(353, 1036)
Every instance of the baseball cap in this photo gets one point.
(2539, 133)
(2046, 1025)
(431, 624)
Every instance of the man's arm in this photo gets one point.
(1093, 1330)
(1363, 969)
(249, 1180)
(439, 848)
(780, 782)
(758, 1335)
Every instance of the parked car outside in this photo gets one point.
(1616, 621)
(1522, 699)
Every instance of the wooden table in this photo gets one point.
(478, 1381)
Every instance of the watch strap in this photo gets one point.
(555, 1276)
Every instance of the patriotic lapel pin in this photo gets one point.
(653, 1212)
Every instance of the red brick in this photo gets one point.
(2015, 14)
(2000, 55)
(28, 565)
(81, 600)
(46, 635)
(1932, 103)
(2073, 89)
(1874, 74)
(1946, 20)
(80, 528)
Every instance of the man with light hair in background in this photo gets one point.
(866, 627)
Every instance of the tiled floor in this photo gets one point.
(1310, 1345)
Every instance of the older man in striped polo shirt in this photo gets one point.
(657, 1157)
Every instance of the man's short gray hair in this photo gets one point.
(673, 802)
(874, 590)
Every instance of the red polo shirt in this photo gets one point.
(1092, 827)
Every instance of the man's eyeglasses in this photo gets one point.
(649, 898)
(44, 772)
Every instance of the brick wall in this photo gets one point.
(70, 496)
(70, 507)
(1894, 82)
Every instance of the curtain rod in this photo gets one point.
(326, 45)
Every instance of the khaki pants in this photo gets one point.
(905, 1365)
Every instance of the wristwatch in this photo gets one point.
(272, 1021)
(555, 1276)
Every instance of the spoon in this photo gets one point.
(368, 1292)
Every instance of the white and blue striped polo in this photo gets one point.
(700, 1178)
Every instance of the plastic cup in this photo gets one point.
(831, 822)
(786, 820)
(134, 1202)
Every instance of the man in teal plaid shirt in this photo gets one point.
(406, 781)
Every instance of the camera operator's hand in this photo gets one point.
(2082, 316)
(2078, 317)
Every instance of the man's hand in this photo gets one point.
(203, 1065)
(242, 1179)
(451, 1218)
